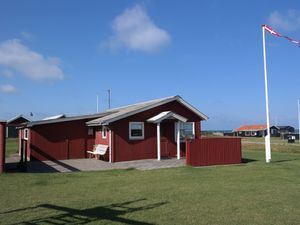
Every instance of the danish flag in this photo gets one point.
(275, 33)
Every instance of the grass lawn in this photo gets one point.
(250, 193)
(11, 146)
(277, 144)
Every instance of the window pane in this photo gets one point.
(136, 126)
(186, 130)
(136, 130)
(136, 133)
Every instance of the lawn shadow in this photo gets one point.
(284, 160)
(247, 160)
(110, 213)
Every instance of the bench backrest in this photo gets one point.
(101, 149)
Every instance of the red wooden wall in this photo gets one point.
(125, 149)
(57, 141)
(98, 136)
(213, 151)
(2, 145)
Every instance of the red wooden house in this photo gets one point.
(146, 130)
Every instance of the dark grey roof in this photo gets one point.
(12, 120)
(283, 127)
(129, 110)
(115, 114)
(66, 119)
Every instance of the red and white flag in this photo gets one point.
(271, 30)
(275, 33)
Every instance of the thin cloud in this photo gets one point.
(8, 89)
(27, 35)
(7, 73)
(17, 56)
(288, 21)
(133, 29)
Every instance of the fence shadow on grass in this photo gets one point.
(283, 160)
(110, 213)
(247, 160)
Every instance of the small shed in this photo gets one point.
(13, 123)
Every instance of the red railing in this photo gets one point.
(213, 151)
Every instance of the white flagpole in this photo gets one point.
(267, 138)
(299, 119)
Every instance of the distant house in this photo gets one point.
(259, 130)
(280, 131)
(13, 123)
(146, 130)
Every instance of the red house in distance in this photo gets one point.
(146, 130)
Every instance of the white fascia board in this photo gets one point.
(192, 108)
(165, 115)
(17, 117)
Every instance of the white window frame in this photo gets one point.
(26, 134)
(104, 132)
(135, 137)
(175, 130)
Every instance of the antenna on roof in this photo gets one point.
(108, 92)
(97, 103)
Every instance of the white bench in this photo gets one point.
(98, 150)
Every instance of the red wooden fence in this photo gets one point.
(213, 151)
(2, 145)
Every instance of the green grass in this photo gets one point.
(277, 144)
(250, 193)
(11, 146)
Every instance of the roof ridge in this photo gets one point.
(142, 103)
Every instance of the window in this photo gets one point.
(136, 130)
(187, 130)
(90, 131)
(104, 132)
(26, 131)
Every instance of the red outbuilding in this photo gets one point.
(146, 130)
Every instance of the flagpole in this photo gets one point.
(299, 119)
(267, 138)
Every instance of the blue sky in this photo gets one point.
(56, 56)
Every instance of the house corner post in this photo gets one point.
(2, 145)
(158, 141)
(187, 152)
(178, 139)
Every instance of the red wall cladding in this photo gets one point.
(99, 139)
(57, 141)
(125, 149)
(2, 145)
(213, 151)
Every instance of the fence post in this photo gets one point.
(2, 145)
